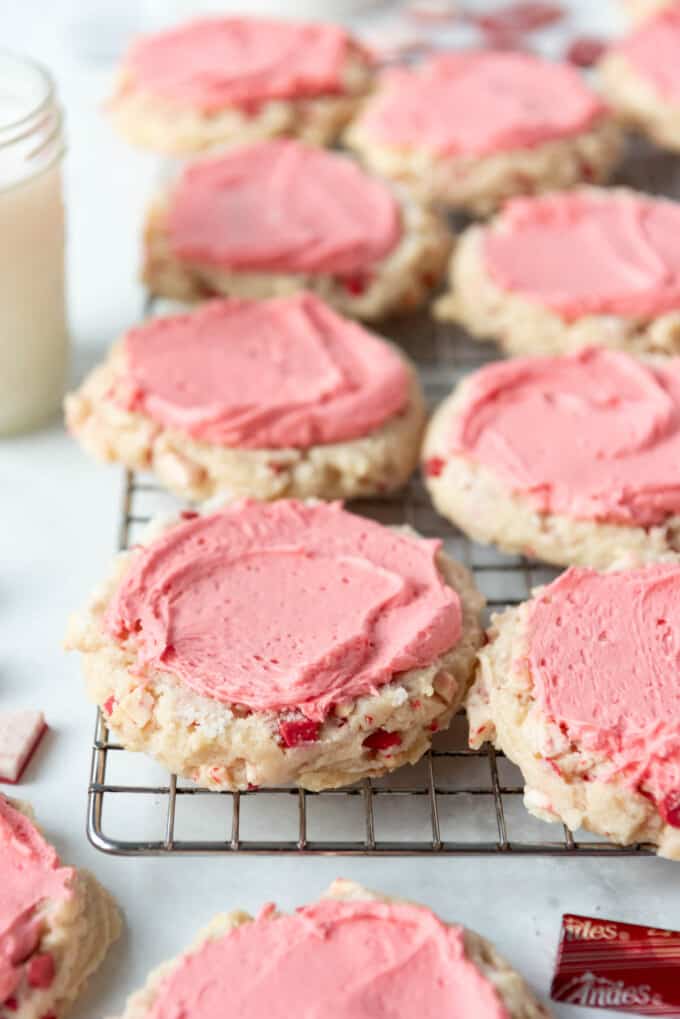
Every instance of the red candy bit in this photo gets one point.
(503, 39)
(519, 17)
(432, 10)
(109, 704)
(585, 52)
(11, 1004)
(433, 726)
(381, 739)
(669, 809)
(356, 284)
(299, 731)
(40, 971)
(434, 466)
(188, 514)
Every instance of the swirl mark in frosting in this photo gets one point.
(240, 62)
(604, 654)
(589, 253)
(288, 372)
(594, 435)
(478, 103)
(349, 960)
(281, 206)
(287, 605)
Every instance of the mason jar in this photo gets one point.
(33, 327)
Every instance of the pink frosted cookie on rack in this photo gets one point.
(352, 953)
(218, 81)
(573, 459)
(641, 77)
(579, 687)
(266, 399)
(56, 923)
(470, 130)
(558, 272)
(275, 217)
(275, 643)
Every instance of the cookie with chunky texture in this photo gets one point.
(276, 217)
(572, 460)
(554, 273)
(56, 923)
(641, 77)
(579, 688)
(218, 81)
(284, 642)
(264, 399)
(352, 953)
(469, 130)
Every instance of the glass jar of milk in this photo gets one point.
(33, 331)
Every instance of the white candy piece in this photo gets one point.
(20, 733)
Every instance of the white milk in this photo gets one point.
(33, 333)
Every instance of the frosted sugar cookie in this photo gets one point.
(276, 217)
(56, 923)
(218, 81)
(270, 643)
(551, 274)
(471, 129)
(329, 958)
(568, 459)
(579, 687)
(267, 399)
(641, 77)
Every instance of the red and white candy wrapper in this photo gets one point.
(619, 966)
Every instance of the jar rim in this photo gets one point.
(41, 104)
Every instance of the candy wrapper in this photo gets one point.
(619, 966)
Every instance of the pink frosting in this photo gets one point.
(281, 206)
(348, 960)
(29, 874)
(268, 374)
(477, 103)
(285, 605)
(604, 653)
(653, 50)
(595, 435)
(588, 253)
(220, 62)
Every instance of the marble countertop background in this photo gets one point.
(58, 529)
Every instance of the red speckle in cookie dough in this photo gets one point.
(40, 971)
(670, 809)
(277, 468)
(357, 284)
(585, 52)
(300, 731)
(434, 466)
(415, 705)
(109, 704)
(433, 726)
(381, 739)
(188, 514)
(519, 17)
(11, 1004)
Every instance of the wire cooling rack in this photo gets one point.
(455, 801)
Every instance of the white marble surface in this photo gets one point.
(57, 530)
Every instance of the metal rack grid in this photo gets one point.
(456, 801)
